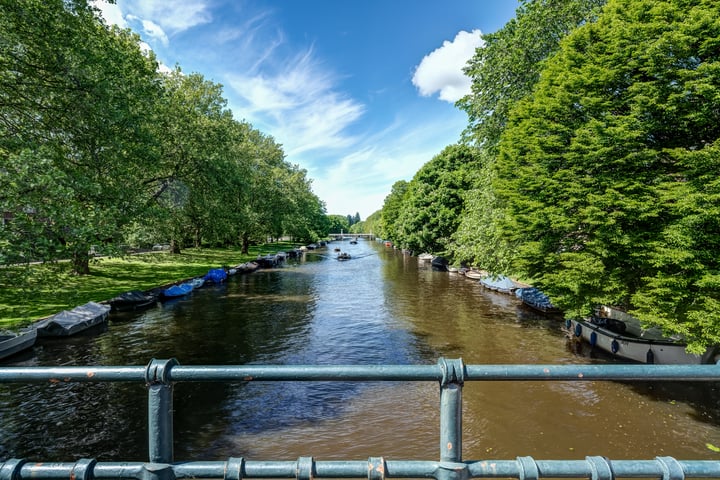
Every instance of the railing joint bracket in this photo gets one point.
(453, 371)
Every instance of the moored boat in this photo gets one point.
(216, 275)
(16, 342)
(70, 322)
(132, 300)
(498, 283)
(425, 257)
(474, 274)
(176, 291)
(439, 263)
(534, 298)
(247, 267)
(625, 338)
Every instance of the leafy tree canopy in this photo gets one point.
(610, 169)
(432, 204)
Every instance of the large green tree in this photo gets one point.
(193, 134)
(504, 71)
(73, 131)
(391, 210)
(507, 67)
(431, 206)
(610, 170)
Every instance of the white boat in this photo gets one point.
(474, 274)
(15, 342)
(498, 283)
(425, 257)
(622, 335)
(70, 322)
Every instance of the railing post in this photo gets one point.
(451, 466)
(160, 410)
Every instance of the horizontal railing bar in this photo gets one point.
(72, 374)
(246, 373)
(236, 469)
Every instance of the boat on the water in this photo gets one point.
(270, 260)
(70, 322)
(439, 263)
(498, 283)
(16, 342)
(622, 335)
(474, 274)
(246, 267)
(343, 256)
(216, 275)
(177, 290)
(425, 257)
(132, 300)
(534, 298)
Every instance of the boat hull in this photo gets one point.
(132, 300)
(632, 348)
(71, 322)
(16, 343)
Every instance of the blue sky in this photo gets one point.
(359, 93)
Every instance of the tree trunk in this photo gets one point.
(81, 263)
(174, 247)
(245, 244)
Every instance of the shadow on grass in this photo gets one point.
(28, 293)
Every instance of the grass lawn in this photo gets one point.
(50, 288)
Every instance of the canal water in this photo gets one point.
(380, 307)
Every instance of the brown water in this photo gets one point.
(379, 308)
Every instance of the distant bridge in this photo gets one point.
(344, 236)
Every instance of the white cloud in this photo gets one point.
(360, 181)
(296, 100)
(151, 29)
(442, 69)
(173, 17)
(111, 13)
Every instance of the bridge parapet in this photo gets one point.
(160, 375)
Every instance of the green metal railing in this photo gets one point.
(160, 375)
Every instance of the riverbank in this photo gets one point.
(30, 293)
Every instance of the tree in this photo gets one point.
(609, 171)
(338, 223)
(478, 239)
(431, 207)
(391, 210)
(193, 131)
(504, 71)
(508, 66)
(73, 132)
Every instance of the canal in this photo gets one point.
(380, 307)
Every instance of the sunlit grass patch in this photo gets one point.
(28, 293)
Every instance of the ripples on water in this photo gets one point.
(379, 308)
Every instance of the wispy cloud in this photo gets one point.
(297, 100)
(287, 91)
(150, 29)
(441, 70)
(366, 175)
(172, 17)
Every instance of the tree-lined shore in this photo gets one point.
(594, 128)
(102, 149)
(49, 288)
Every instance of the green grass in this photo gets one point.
(48, 289)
